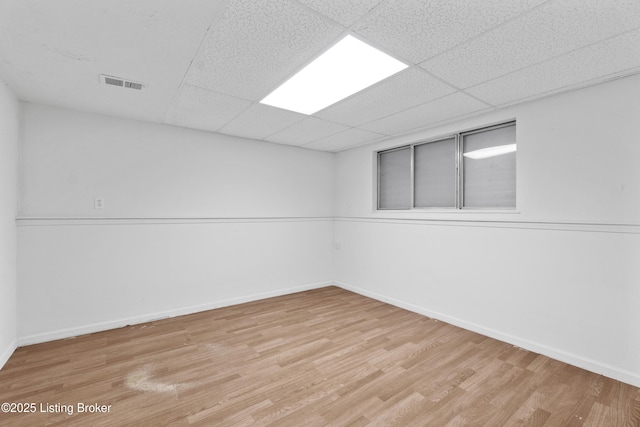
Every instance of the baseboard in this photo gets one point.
(554, 353)
(6, 354)
(135, 320)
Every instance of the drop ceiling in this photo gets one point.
(206, 64)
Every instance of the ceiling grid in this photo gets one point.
(207, 64)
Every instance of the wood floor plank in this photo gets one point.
(326, 357)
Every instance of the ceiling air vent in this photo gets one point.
(117, 81)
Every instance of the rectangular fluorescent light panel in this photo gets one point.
(346, 68)
(485, 153)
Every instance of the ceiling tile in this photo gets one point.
(553, 29)
(54, 52)
(203, 109)
(399, 92)
(344, 140)
(449, 107)
(257, 44)
(343, 12)
(417, 30)
(260, 121)
(597, 61)
(305, 131)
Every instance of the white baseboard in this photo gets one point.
(135, 320)
(6, 354)
(554, 353)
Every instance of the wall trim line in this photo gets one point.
(71, 221)
(576, 226)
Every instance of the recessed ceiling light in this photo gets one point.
(485, 153)
(346, 68)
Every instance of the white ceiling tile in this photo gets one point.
(305, 131)
(52, 52)
(449, 107)
(343, 12)
(203, 109)
(344, 140)
(597, 61)
(260, 121)
(417, 29)
(553, 29)
(257, 44)
(399, 92)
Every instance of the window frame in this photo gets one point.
(458, 138)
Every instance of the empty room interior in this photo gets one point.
(441, 229)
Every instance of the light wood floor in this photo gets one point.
(323, 357)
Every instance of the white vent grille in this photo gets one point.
(117, 81)
(132, 85)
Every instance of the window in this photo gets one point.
(473, 170)
(394, 167)
(435, 174)
(489, 168)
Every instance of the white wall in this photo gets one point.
(192, 220)
(560, 276)
(238, 220)
(9, 124)
(149, 170)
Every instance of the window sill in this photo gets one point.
(428, 211)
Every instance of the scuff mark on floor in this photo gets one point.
(214, 347)
(142, 380)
